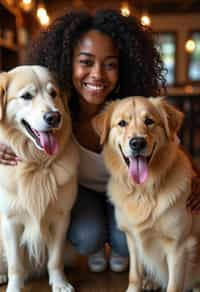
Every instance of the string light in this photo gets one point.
(42, 15)
(145, 20)
(190, 46)
(26, 5)
(125, 11)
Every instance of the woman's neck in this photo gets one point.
(87, 111)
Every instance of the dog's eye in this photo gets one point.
(53, 93)
(27, 96)
(148, 122)
(122, 123)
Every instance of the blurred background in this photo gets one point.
(176, 27)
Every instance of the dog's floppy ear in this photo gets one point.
(101, 122)
(3, 92)
(172, 117)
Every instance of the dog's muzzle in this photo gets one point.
(137, 145)
(138, 160)
(52, 118)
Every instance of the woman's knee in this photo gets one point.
(87, 230)
(117, 238)
(87, 239)
(118, 243)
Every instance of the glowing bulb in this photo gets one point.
(41, 12)
(27, 2)
(190, 46)
(125, 11)
(43, 16)
(145, 20)
(26, 5)
(45, 20)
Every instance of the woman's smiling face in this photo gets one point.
(95, 67)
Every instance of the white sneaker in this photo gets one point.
(97, 262)
(118, 263)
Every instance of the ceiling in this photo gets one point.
(152, 6)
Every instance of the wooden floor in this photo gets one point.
(83, 281)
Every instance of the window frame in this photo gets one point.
(188, 58)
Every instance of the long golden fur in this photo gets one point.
(149, 185)
(37, 194)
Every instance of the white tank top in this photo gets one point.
(92, 171)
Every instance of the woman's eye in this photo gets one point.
(122, 123)
(86, 62)
(148, 122)
(112, 65)
(53, 93)
(27, 96)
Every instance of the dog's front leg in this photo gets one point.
(56, 257)
(177, 262)
(11, 240)
(136, 269)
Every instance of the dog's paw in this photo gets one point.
(58, 282)
(13, 289)
(15, 284)
(149, 285)
(133, 288)
(62, 287)
(3, 279)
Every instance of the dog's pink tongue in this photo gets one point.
(48, 142)
(138, 169)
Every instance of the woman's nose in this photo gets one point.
(97, 72)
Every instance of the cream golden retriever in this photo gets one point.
(36, 195)
(149, 185)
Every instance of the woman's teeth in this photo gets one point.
(94, 87)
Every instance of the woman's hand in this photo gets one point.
(7, 156)
(193, 202)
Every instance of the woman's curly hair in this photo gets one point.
(141, 70)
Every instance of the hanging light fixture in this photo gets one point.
(26, 5)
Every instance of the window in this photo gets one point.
(166, 44)
(194, 58)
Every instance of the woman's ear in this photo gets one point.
(4, 79)
(101, 123)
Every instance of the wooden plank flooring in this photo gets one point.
(83, 281)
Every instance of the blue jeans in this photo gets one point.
(93, 224)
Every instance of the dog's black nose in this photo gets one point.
(52, 118)
(137, 143)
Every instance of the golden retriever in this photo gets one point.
(37, 194)
(149, 185)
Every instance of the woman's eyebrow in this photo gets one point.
(91, 55)
(86, 54)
